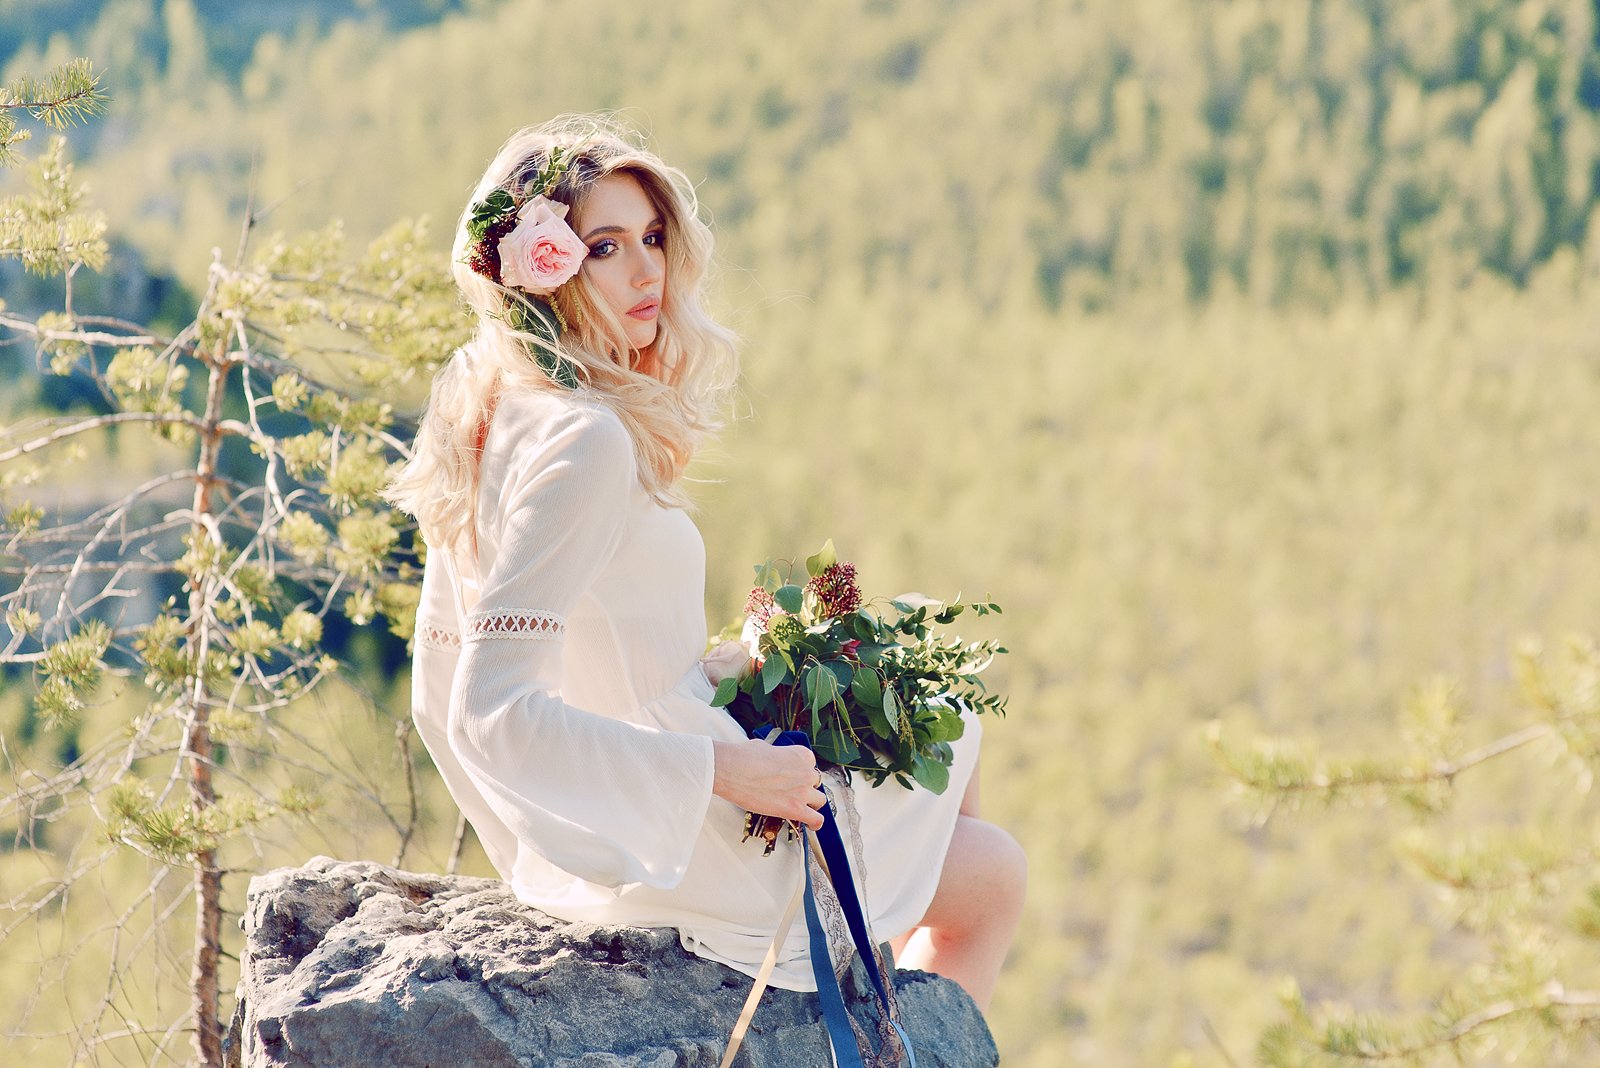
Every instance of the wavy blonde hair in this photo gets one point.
(669, 398)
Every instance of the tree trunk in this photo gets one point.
(207, 954)
(203, 980)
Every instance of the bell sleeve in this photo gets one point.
(613, 802)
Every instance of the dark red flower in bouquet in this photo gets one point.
(759, 606)
(836, 590)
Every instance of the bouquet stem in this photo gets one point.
(766, 828)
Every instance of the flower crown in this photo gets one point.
(522, 241)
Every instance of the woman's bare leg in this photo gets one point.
(968, 928)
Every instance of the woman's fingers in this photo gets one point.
(811, 816)
(815, 799)
(770, 780)
(800, 775)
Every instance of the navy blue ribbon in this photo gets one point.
(840, 1034)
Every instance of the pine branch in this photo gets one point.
(1281, 775)
(63, 98)
(1553, 996)
(1485, 869)
(47, 229)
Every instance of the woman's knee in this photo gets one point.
(985, 877)
(1007, 863)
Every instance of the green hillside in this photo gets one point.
(1299, 150)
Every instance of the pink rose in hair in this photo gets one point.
(542, 252)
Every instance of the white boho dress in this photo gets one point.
(557, 687)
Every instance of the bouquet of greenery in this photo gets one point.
(872, 684)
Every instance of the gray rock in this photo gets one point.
(352, 963)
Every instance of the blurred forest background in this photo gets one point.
(1246, 352)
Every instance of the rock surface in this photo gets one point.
(351, 964)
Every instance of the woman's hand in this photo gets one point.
(770, 780)
(727, 660)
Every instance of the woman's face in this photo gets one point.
(627, 259)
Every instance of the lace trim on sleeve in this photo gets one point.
(530, 626)
(434, 636)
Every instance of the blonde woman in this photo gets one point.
(558, 679)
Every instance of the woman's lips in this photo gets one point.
(646, 310)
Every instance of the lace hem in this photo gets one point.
(530, 626)
(434, 636)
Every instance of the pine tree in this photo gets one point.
(1530, 893)
(47, 230)
(272, 525)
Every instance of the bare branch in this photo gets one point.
(402, 737)
(89, 337)
(1472, 758)
(98, 422)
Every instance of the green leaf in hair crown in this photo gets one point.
(485, 213)
(540, 318)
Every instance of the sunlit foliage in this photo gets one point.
(1244, 351)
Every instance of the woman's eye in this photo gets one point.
(655, 237)
(603, 249)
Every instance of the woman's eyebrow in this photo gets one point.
(651, 225)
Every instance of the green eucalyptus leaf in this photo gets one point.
(773, 671)
(867, 688)
(822, 688)
(789, 598)
(825, 558)
(948, 727)
(836, 747)
(822, 745)
(891, 709)
(768, 576)
(863, 627)
(930, 773)
(871, 653)
(727, 690)
(842, 674)
(877, 720)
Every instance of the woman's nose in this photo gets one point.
(648, 269)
